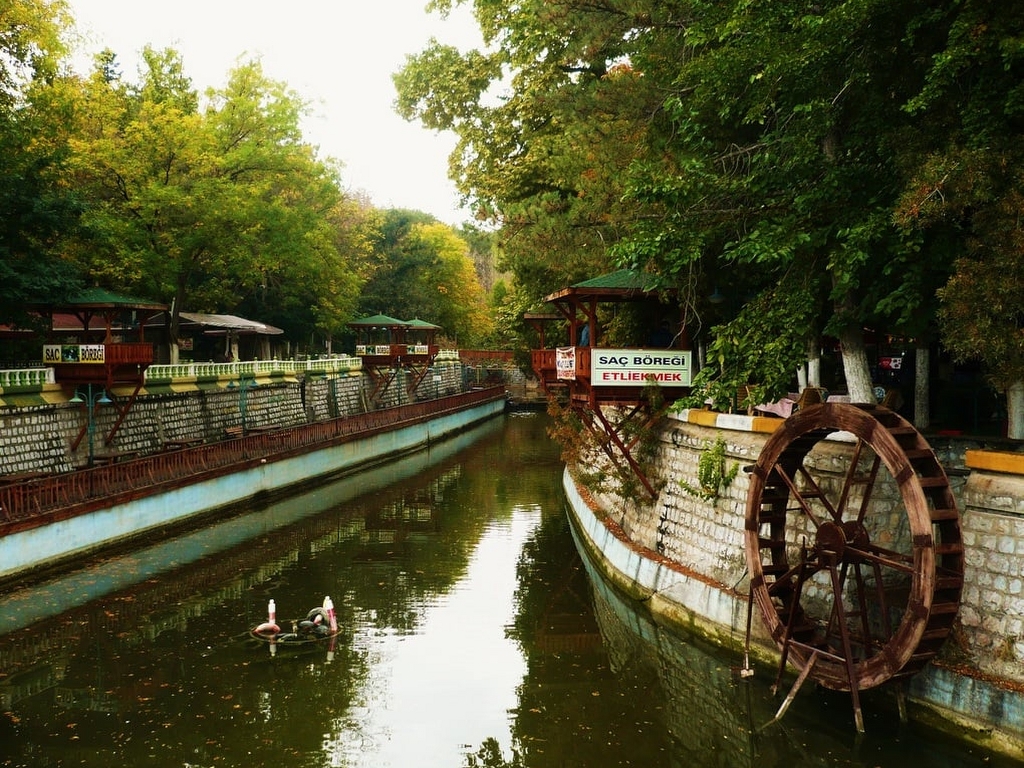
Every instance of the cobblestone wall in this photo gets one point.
(992, 607)
(39, 438)
(32, 440)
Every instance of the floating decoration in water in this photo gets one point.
(320, 623)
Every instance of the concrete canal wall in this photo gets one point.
(684, 556)
(46, 545)
(204, 404)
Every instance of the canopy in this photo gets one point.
(378, 321)
(216, 324)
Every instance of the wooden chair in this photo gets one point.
(810, 396)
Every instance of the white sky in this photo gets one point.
(338, 55)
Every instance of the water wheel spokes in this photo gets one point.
(878, 559)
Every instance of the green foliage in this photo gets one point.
(424, 270)
(39, 211)
(758, 351)
(546, 159)
(596, 461)
(213, 209)
(964, 184)
(728, 145)
(982, 312)
(712, 475)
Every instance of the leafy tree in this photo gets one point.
(965, 186)
(392, 287)
(459, 299)
(204, 208)
(546, 161)
(39, 211)
(424, 271)
(734, 146)
(788, 123)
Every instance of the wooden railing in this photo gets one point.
(29, 501)
(128, 353)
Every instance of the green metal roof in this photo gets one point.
(624, 279)
(417, 323)
(621, 285)
(98, 298)
(379, 321)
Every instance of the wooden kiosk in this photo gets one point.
(387, 345)
(595, 379)
(96, 342)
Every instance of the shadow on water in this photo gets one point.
(473, 636)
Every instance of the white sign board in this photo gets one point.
(74, 353)
(636, 367)
(373, 349)
(565, 363)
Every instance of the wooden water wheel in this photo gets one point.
(857, 575)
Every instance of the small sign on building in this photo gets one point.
(565, 363)
(54, 354)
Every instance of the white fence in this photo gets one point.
(37, 377)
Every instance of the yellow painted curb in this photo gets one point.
(765, 424)
(703, 418)
(996, 461)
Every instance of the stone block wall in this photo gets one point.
(33, 440)
(331, 396)
(992, 607)
(38, 438)
(707, 535)
(689, 529)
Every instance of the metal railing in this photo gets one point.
(25, 500)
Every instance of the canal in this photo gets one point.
(473, 636)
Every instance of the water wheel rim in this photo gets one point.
(921, 628)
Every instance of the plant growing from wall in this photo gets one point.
(712, 475)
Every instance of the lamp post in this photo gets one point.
(91, 400)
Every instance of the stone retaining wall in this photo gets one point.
(992, 517)
(979, 675)
(38, 438)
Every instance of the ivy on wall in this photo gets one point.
(712, 475)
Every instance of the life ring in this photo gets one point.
(318, 616)
(267, 629)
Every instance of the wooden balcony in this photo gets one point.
(620, 376)
(105, 364)
(396, 355)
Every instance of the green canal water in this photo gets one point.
(472, 635)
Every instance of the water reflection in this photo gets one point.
(474, 636)
(710, 716)
(95, 670)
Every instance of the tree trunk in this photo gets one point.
(814, 361)
(855, 365)
(922, 392)
(809, 372)
(174, 321)
(172, 334)
(1015, 410)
